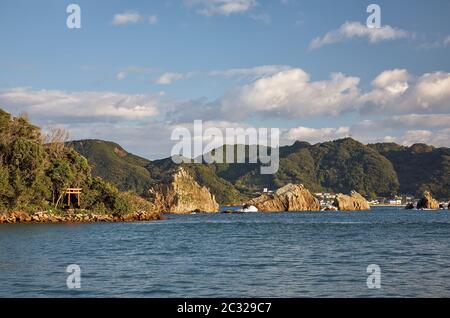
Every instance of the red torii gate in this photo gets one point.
(70, 191)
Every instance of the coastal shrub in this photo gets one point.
(103, 196)
(34, 175)
(4, 186)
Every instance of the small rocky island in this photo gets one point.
(427, 202)
(352, 202)
(296, 198)
(179, 193)
(291, 197)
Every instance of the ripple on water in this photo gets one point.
(221, 255)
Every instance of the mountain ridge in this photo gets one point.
(343, 165)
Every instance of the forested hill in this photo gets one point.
(335, 166)
(36, 170)
(111, 162)
(419, 167)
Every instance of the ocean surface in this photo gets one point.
(251, 255)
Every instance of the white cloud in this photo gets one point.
(440, 138)
(283, 92)
(222, 7)
(314, 135)
(350, 30)
(127, 17)
(392, 80)
(253, 72)
(396, 92)
(122, 74)
(63, 106)
(441, 43)
(169, 78)
(132, 17)
(410, 121)
(291, 94)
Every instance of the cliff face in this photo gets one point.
(291, 197)
(353, 202)
(428, 202)
(180, 193)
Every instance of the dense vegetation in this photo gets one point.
(335, 166)
(34, 174)
(111, 162)
(419, 167)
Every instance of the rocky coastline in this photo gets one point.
(48, 217)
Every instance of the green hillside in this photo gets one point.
(34, 175)
(111, 162)
(335, 166)
(419, 167)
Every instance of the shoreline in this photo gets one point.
(18, 217)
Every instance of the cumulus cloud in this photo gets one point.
(222, 7)
(284, 92)
(398, 92)
(417, 121)
(292, 94)
(63, 106)
(314, 135)
(169, 78)
(350, 30)
(398, 106)
(440, 138)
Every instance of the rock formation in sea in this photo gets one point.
(352, 202)
(179, 193)
(428, 202)
(410, 206)
(292, 198)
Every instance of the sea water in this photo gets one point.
(322, 254)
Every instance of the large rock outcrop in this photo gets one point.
(352, 202)
(180, 193)
(428, 202)
(292, 198)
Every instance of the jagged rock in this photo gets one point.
(330, 208)
(409, 206)
(428, 202)
(292, 197)
(180, 193)
(352, 202)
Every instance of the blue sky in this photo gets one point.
(136, 69)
